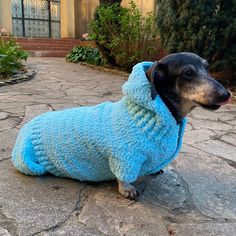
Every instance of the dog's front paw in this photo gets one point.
(131, 193)
(128, 191)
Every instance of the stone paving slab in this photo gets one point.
(209, 229)
(196, 195)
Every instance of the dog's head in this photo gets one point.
(183, 82)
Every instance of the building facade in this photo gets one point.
(53, 18)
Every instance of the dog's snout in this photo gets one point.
(224, 97)
(218, 95)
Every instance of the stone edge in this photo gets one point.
(19, 78)
(104, 69)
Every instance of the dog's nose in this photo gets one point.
(224, 97)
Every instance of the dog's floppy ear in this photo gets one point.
(156, 73)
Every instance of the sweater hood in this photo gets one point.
(138, 90)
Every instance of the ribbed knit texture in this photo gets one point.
(132, 137)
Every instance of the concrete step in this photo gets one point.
(43, 42)
(47, 40)
(47, 47)
(37, 53)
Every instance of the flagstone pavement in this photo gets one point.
(196, 195)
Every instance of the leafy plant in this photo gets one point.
(123, 35)
(207, 28)
(109, 2)
(85, 54)
(116, 11)
(11, 56)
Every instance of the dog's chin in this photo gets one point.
(208, 106)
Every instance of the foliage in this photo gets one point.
(109, 2)
(11, 57)
(85, 54)
(123, 35)
(207, 28)
(113, 10)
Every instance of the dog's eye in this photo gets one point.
(188, 72)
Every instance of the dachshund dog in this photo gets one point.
(136, 136)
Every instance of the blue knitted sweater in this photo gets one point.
(126, 139)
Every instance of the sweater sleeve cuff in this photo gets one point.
(126, 169)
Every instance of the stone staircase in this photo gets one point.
(47, 47)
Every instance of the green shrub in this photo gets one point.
(123, 35)
(109, 2)
(114, 22)
(207, 28)
(85, 54)
(11, 57)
